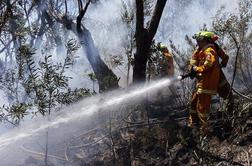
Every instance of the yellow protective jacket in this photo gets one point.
(207, 68)
(170, 64)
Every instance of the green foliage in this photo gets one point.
(14, 113)
(115, 61)
(9, 84)
(92, 76)
(70, 96)
(107, 81)
(45, 84)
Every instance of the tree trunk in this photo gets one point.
(144, 37)
(105, 76)
(139, 69)
(107, 80)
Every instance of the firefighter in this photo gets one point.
(166, 69)
(168, 64)
(204, 62)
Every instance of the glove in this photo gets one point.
(194, 68)
(193, 72)
(223, 65)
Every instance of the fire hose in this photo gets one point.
(192, 74)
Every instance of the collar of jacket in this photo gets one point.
(205, 47)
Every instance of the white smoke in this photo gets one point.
(178, 21)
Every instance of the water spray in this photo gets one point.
(108, 99)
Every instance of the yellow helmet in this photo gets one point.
(162, 47)
(205, 35)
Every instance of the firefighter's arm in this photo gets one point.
(210, 60)
(193, 60)
(224, 57)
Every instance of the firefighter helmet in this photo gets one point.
(205, 35)
(162, 47)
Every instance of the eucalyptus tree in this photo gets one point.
(144, 37)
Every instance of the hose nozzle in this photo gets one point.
(180, 77)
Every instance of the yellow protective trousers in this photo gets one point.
(199, 111)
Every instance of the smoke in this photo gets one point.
(105, 24)
(3, 98)
(182, 18)
(179, 18)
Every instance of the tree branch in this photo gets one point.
(41, 154)
(80, 5)
(6, 45)
(236, 61)
(81, 15)
(65, 7)
(241, 95)
(155, 19)
(139, 18)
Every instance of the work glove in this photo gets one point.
(193, 72)
(223, 65)
(194, 69)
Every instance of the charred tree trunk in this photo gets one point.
(141, 57)
(105, 76)
(144, 37)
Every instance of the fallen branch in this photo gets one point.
(141, 125)
(241, 95)
(66, 156)
(216, 157)
(88, 144)
(86, 133)
(139, 122)
(41, 154)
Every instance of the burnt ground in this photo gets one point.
(156, 133)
